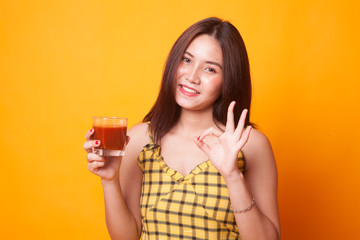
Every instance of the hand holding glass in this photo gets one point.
(111, 131)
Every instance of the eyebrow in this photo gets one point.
(210, 62)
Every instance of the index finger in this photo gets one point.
(230, 118)
(241, 123)
(89, 134)
(209, 131)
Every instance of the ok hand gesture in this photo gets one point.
(224, 153)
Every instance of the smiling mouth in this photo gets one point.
(189, 90)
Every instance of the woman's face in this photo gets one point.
(199, 76)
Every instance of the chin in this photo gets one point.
(194, 106)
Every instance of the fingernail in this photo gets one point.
(198, 138)
(97, 142)
(91, 130)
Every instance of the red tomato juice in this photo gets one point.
(111, 137)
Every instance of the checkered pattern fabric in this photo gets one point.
(173, 206)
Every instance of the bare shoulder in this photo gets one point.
(139, 137)
(140, 130)
(258, 153)
(257, 145)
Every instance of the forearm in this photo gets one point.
(252, 224)
(119, 221)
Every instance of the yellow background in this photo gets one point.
(61, 62)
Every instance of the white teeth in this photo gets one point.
(189, 90)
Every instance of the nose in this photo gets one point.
(193, 75)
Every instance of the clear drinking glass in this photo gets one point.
(111, 131)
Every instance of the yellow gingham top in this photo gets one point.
(173, 206)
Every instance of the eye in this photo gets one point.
(211, 70)
(185, 59)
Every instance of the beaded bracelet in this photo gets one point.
(245, 209)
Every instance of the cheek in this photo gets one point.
(216, 84)
(180, 72)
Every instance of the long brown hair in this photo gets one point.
(236, 82)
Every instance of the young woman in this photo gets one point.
(195, 168)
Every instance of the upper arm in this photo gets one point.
(261, 175)
(130, 172)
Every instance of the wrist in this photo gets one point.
(110, 182)
(236, 178)
(233, 177)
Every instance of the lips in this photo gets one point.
(188, 91)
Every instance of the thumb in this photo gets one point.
(203, 146)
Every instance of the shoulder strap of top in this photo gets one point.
(241, 162)
(146, 152)
(150, 134)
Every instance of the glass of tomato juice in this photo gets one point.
(111, 131)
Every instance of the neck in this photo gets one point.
(193, 123)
